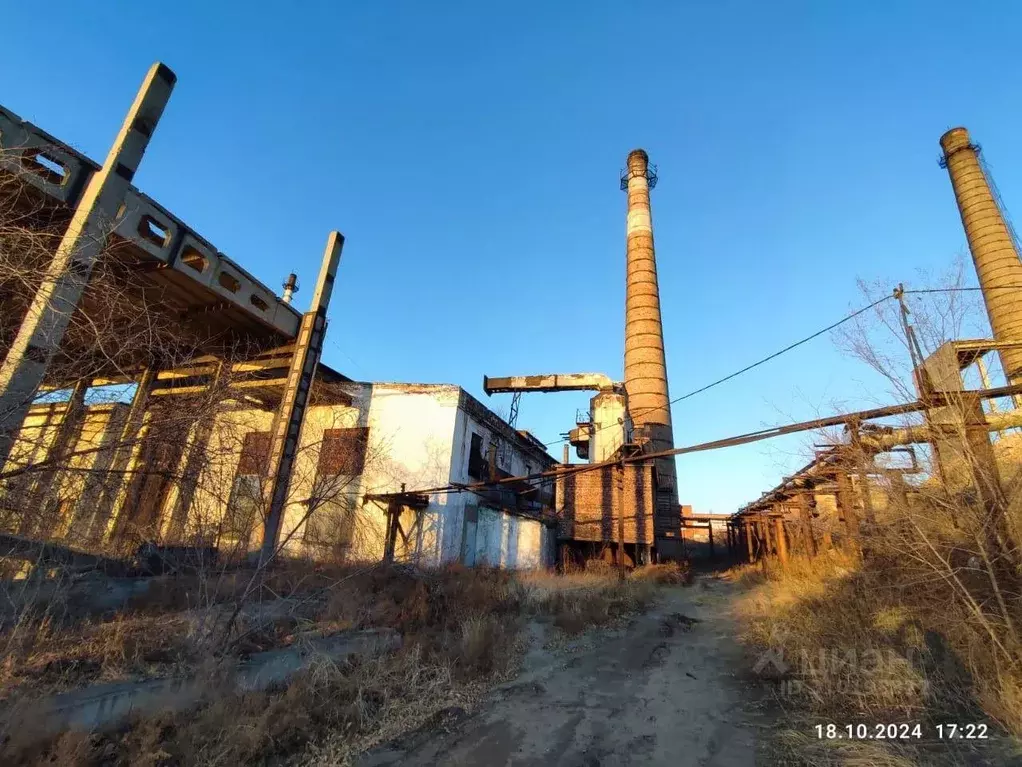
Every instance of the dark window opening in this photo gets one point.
(478, 468)
(343, 452)
(243, 509)
(255, 454)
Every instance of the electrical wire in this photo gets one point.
(747, 368)
(795, 345)
(775, 431)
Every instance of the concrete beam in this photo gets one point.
(287, 424)
(49, 314)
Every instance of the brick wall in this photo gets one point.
(589, 507)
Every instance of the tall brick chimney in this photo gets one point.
(645, 363)
(993, 250)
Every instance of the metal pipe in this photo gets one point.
(916, 434)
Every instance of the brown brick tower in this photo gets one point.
(645, 363)
(993, 249)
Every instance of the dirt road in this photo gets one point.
(662, 690)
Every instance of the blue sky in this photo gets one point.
(470, 153)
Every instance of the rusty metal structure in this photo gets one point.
(956, 426)
(233, 323)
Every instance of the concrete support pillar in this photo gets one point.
(846, 508)
(764, 541)
(782, 541)
(119, 498)
(195, 459)
(986, 477)
(806, 513)
(991, 244)
(899, 490)
(39, 505)
(67, 275)
(287, 424)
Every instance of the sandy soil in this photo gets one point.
(663, 690)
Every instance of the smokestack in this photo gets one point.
(645, 363)
(290, 288)
(993, 249)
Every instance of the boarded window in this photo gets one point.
(477, 466)
(255, 454)
(332, 526)
(343, 452)
(243, 509)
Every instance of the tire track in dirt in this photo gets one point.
(665, 689)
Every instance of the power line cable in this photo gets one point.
(798, 343)
(756, 364)
(553, 475)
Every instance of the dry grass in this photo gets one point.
(861, 643)
(461, 630)
(44, 659)
(669, 574)
(578, 601)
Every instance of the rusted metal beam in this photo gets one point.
(551, 382)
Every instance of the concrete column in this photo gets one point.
(67, 275)
(899, 490)
(119, 498)
(41, 497)
(287, 424)
(806, 512)
(993, 251)
(782, 541)
(645, 361)
(196, 457)
(846, 507)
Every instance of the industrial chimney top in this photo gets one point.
(955, 140)
(638, 165)
(639, 154)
